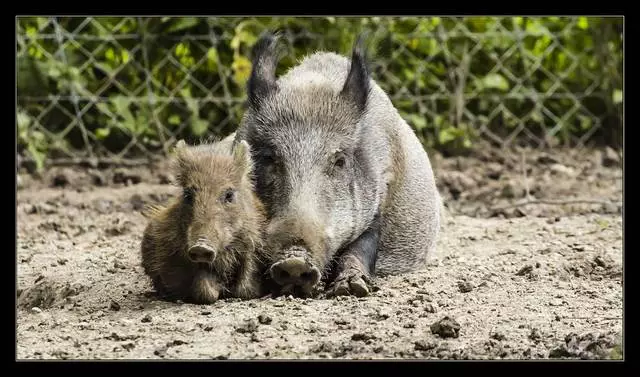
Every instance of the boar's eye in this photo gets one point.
(339, 161)
(229, 196)
(188, 194)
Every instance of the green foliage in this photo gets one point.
(449, 77)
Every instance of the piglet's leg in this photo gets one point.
(356, 264)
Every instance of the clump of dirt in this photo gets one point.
(446, 327)
(46, 293)
(489, 180)
(588, 346)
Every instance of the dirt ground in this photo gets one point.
(526, 282)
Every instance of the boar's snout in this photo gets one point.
(201, 253)
(295, 271)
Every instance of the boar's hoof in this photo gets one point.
(351, 283)
(295, 271)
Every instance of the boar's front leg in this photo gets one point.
(356, 264)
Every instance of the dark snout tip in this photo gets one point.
(201, 253)
(295, 271)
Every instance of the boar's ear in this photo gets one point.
(356, 87)
(242, 157)
(263, 73)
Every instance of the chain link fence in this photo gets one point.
(126, 88)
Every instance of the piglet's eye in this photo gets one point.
(229, 196)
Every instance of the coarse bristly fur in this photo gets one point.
(331, 154)
(218, 207)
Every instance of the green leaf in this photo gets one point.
(241, 69)
(448, 135)
(110, 55)
(617, 96)
(185, 92)
(41, 21)
(212, 59)
(121, 108)
(181, 49)
(419, 122)
(103, 107)
(37, 155)
(585, 122)
(24, 120)
(183, 23)
(125, 56)
(121, 104)
(199, 126)
(495, 81)
(102, 133)
(243, 36)
(583, 23)
(535, 27)
(54, 72)
(31, 31)
(192, 105)
(174, 120)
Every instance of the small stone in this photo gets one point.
(36, 310)
(446, 327)
(562, 170)
(136, 202)
(264, 319)
(546, 159)
(114, 306)
(146, 318)
(249, 326)
(429, 308)
(362, 337)
(60, 180)
(421, 345)
(610, 158)
(600, 262)
(525, 270)
(535, 335)
(465, 286)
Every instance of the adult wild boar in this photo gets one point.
(348, 188)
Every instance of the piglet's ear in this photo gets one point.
(242, 157)
(180, 163)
